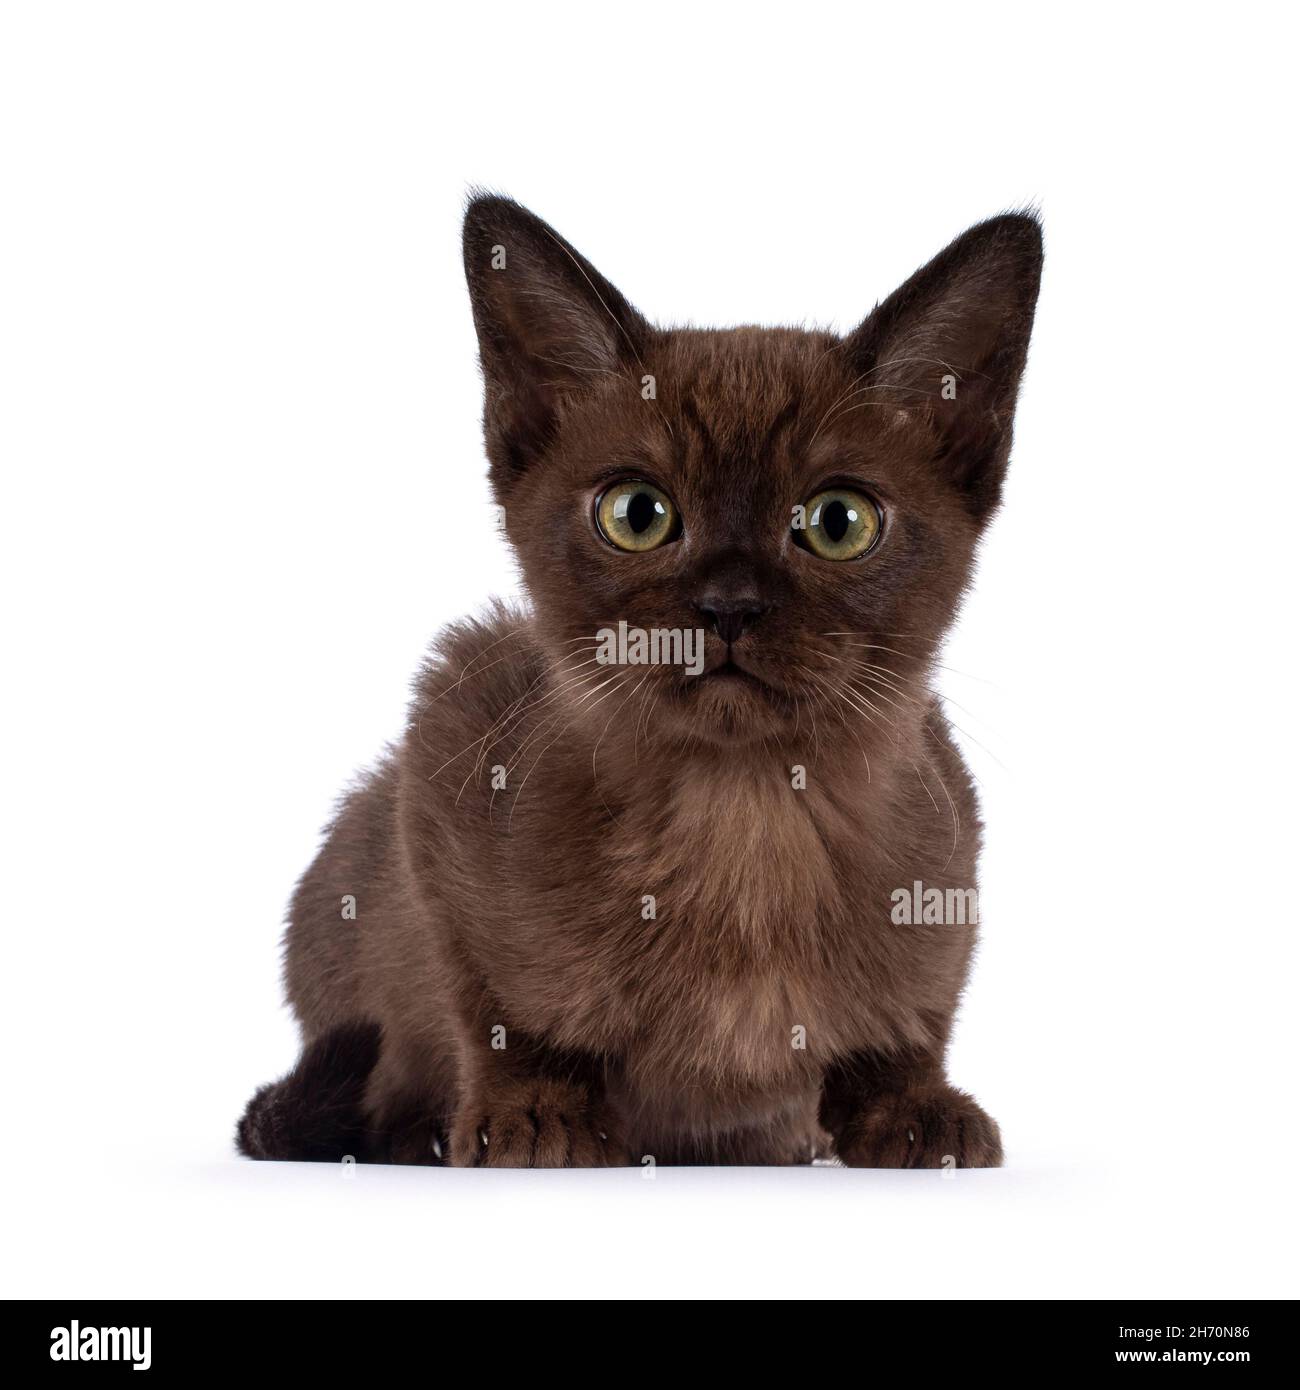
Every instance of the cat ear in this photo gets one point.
(549, 324)
(949, 345)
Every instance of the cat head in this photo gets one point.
(805, 507)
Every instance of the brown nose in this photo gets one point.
(729, 617)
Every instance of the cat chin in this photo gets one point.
(727, 708)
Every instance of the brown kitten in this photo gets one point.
(607, 909)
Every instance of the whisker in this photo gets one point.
(520, 790)
(487, 735)
(514, 716)
(595, 776)
(419, 725)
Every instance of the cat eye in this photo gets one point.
(840, 523)
(636, 515)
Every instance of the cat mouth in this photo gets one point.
(729, 673)
(728, 669)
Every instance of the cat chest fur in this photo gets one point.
(719, 915)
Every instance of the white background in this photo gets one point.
(243, 485)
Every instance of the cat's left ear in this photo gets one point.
(549, 325)
(950, 345)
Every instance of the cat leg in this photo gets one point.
(412, 1133)
(897, 1110)
(526, 1105)
(408, 1103)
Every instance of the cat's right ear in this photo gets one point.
(548, 324)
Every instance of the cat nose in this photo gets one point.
(729, 617)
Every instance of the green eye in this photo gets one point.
(637, 516)
(839, 524)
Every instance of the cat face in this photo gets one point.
(755, 530)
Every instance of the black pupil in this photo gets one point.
(641, 512)
(835, 520)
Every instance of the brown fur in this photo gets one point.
(521, 907)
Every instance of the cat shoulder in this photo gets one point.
(475, 670)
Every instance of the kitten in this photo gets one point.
(596, 907)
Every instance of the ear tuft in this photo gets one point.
(951, 343)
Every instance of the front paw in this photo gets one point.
(929, 1127)
(540, 1124)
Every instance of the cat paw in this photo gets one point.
(545, 1124)
(422, 1142)
(936, 1127)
